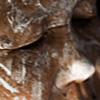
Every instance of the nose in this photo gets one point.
(77, 72)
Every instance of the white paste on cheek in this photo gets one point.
(4, 45)
(40, 5)
(9, 1)
(37, 90)
(7, 86)
(5, 69)
(23, 73)
(16, 98)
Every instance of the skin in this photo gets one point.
(44, 62)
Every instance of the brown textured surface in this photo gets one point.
(25, 21)
(57, 61)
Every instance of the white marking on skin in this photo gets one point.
(23, 70)
(23, 98)
(20, 22)
(1, 47)
(40, 84)
(10, 21)
(54, 55)
(19, 74)
(23, 60)
(7, 86)
(5, 45)
(20, 26)
(16, 98)
(28, 2)
(9, 63)
(9, 1)
(38, 88)
(23, 73)
(39, 31)
(6, 69)
(24, 1)
(6, 94)
(67, 48)
(41, 6)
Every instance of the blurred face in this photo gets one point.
(40, 56)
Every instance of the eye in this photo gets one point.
(98, 7)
